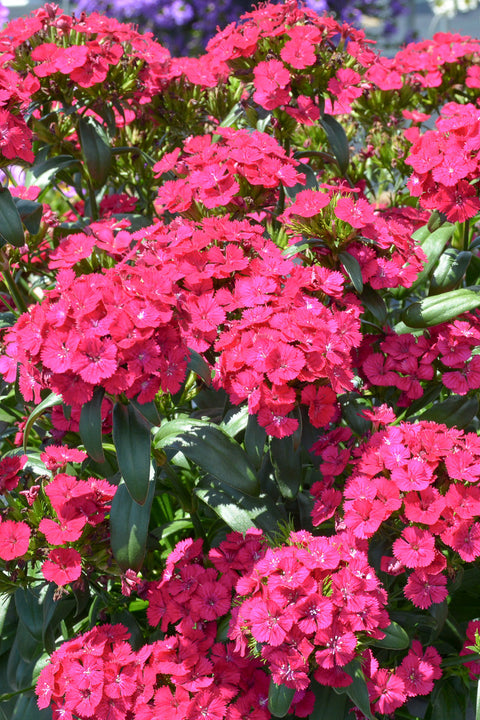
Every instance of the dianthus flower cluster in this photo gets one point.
(445, 163)
(343, 220)
(423, 479)
(113, 330)
(15, 135)
(306, 605)
(222, 173)
(407, 361)
(185, 676)
(301, 45)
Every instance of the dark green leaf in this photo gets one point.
(46, 170)
(200, 367)
(131, 438)
(353, 269)
(26, 708)
(213, 450)
(129, 527)
(287, 466)
(30, 213)
(450, 270)
(148, 411)
(329, 705)
(29, 647)
(255, 439)
(338, 141)
(91, 425)
(49, 402)
(456, 411)
(11, 228)
(279, 699)
(311, 182)
(237, 510)
(96, 149)
(357, 691)
(395, 638)
(374, 303)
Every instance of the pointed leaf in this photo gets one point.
(287, 465)
(374, 303)
(354, 271)
(338, 141)
(91, 425)
(450, 270)
(200, 367)
(46, 170)
(30, 213)
(239, 511)
(440, 308)
(311, 182)
(131, 438)
(456, 411)
(432, 245)
(49, 402)
(329, 705)
(279, 699)
(11, 229)
(357, 691)
(129, 527)
(96, 149)
(395, 638)
(213, 450)
(255, 439)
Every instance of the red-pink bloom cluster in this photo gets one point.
(446, 161)
(77, 504)
(113, 330)
(300, 45)
(427, 476)
(390, 260)
(307, 604)
(407, 361)
(213, 173)
(10, 468)
(15, 136)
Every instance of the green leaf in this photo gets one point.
(287, 465)
(30, 213)
(353, 269)
(450, 270)
(338, 141)
(200, 367)
(45, 171)
(129, 526)
(29, 608)
(29, 647)
(477, 702)
(148, 411)
(11, 228)
(49, 402)
(237, 510)
(235, 421)
(374, 303)
(279, 699)
(96, 149)
(329, 705)
(441, 308)
(456, 411)
(213, 450)
(357, 691)
(432, 245)
(27, 708)
(395, 638)
(132, 441)
(255, 439)
(91, 425)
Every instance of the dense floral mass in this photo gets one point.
(239, 347)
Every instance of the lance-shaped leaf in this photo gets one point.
(96, 149)
(47, 169)
(338, 141)
(450, 270)
(311, 182)
(395, 638)
(11, 228)
(441, 308)
(279, 699)
(213, 450)
(91, 425)
(30, 214)
(287, 465)
(455, 411)
(129, 527)
(237, 510)
(132, 441)
(357, 691)
(353, 269)
(329, 705)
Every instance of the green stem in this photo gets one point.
(11, 285)
(9, 696)
(460, 660)
(466, 234)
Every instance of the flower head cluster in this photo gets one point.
(222, 173)
(113, 330)
(426, 476)
(306, 604)
(445, 161)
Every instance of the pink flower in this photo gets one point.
(14, 539)
(64, 565)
